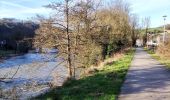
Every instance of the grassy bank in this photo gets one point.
(102, 85)
(161, 59)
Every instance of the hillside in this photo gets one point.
(13, 30)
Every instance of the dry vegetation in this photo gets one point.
(163, 52)
(85, 33)
(103, 84)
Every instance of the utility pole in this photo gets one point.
(164, 28)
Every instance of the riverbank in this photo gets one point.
(29, 75)
(103, 84)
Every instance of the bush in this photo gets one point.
(164, 50)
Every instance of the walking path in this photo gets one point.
(147, 79)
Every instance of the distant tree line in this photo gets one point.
(16, 34)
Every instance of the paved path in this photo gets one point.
(147, 79)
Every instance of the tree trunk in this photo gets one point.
(104, 51)
(146, 37)
(68, 42)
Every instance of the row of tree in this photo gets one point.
(85, 32)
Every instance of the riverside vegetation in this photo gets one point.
(85, 33)
(104, 84)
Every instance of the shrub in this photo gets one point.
(164, 50)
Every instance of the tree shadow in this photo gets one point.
(145, 80)
(145, 76)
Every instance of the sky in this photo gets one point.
(155, 9)
(26, 9)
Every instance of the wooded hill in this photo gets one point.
(17, 33)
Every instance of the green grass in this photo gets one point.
(102, 85)
(6, 53)
(156, 29)
(161, 59)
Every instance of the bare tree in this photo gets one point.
(69, 33)
(134, 28)
(55, 33)
(117, 20)
(85, 34)
(146, 24)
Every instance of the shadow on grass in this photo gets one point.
(103, 85)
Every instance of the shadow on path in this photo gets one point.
(147, 79)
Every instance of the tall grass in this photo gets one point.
(161, 57)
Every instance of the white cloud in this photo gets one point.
(12, 4)
(17, 10)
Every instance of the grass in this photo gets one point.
(156, 29)
(161, 59)
(102, 85)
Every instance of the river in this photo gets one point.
(34, 73)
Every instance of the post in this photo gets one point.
(164, 28)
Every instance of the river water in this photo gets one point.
(34, 73)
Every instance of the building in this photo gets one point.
(154, 39)
(139, 42)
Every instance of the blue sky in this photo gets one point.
(25, 9)
(155, 9)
